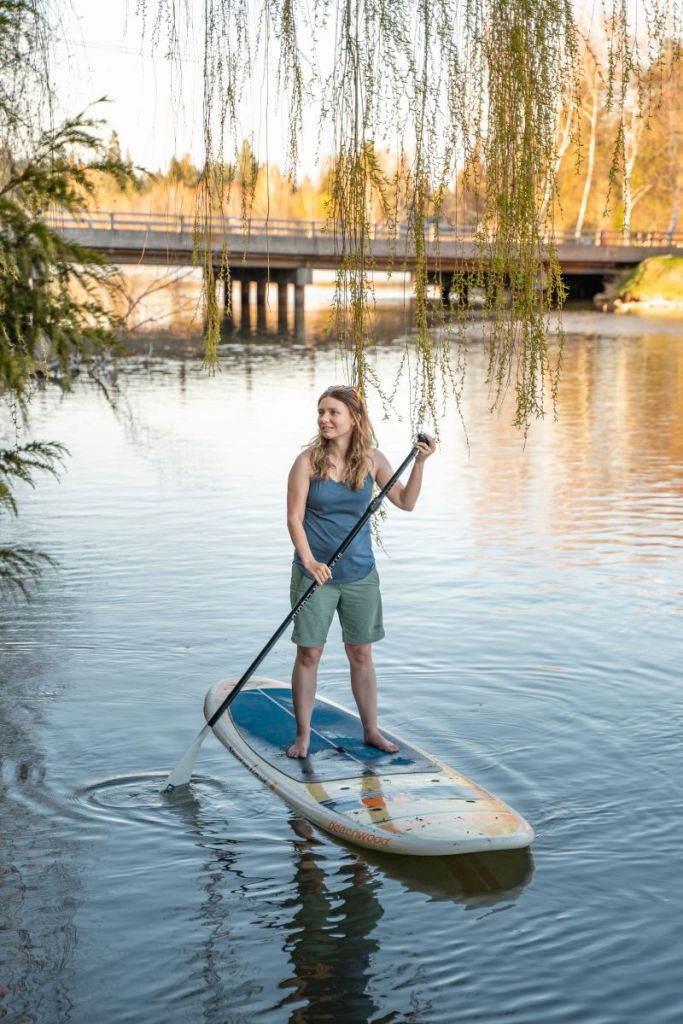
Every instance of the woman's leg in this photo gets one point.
(364, 687)
(304, 681)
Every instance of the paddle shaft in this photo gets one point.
(370, 510)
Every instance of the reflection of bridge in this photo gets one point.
(285, 252)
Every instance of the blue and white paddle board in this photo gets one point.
(408, 802)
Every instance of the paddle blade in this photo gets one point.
(182, 773)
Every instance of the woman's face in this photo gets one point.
(334, 418)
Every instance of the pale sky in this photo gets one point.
(156, 109)
(154, 112)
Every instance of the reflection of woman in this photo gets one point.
(330, 940)
(330, 486)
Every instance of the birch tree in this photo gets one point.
(593, 86)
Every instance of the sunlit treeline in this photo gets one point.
(249, 188)
(618, 165)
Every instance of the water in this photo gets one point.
(533, 608)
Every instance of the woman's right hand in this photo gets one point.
(320, 572)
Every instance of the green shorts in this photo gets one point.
(358, 604)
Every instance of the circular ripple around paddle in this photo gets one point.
(136, 799)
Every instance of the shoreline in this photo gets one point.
(654, 306)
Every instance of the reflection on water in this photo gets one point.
(333, 930)
(533, 607)
(39, 890)
(328, 916)
(330, 942)
(480, 880)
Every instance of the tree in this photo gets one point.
(182, 171)
(589, 108)
(113, 150)
(20, 566)
(658, 174)
(448, 84)
(53, 293)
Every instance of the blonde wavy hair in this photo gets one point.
(359, 457)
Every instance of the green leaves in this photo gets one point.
(21, 566)
(22, 463)
(57, 300)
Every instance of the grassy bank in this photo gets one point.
(655, 283)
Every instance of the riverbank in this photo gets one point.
(655, 286)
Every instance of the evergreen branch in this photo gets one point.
(23, 463)
(20, 567)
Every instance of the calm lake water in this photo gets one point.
(533, 604)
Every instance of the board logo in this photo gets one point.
(353, 833)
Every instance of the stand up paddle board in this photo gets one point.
(406, 802)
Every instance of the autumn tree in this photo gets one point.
(591, 93)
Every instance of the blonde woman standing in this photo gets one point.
(329, 487)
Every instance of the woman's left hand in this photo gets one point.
(425, 449)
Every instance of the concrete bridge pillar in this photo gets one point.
(282, 305)
(302, 277)
(454, 289)
(261, 285)
(245, 312)
(459, 292)
(261, 277)
(299, 298)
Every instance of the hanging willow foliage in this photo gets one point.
(466, 92)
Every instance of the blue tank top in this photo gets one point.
(332, 510)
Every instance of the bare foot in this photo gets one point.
(299, 747)
(375, 739)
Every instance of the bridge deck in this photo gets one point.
(149, 238)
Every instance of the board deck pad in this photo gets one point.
(265, 718)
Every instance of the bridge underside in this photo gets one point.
(584, 273)
(456, 287)
(287, 260)
(273, 252)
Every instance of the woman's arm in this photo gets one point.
(297, 492)
(404, 495)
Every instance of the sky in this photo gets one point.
(156, 106)
(103, 53)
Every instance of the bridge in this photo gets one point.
(285, 252)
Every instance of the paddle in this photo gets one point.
(182, 773)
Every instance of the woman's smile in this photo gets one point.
(334, 417)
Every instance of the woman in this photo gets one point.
(330, 486)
